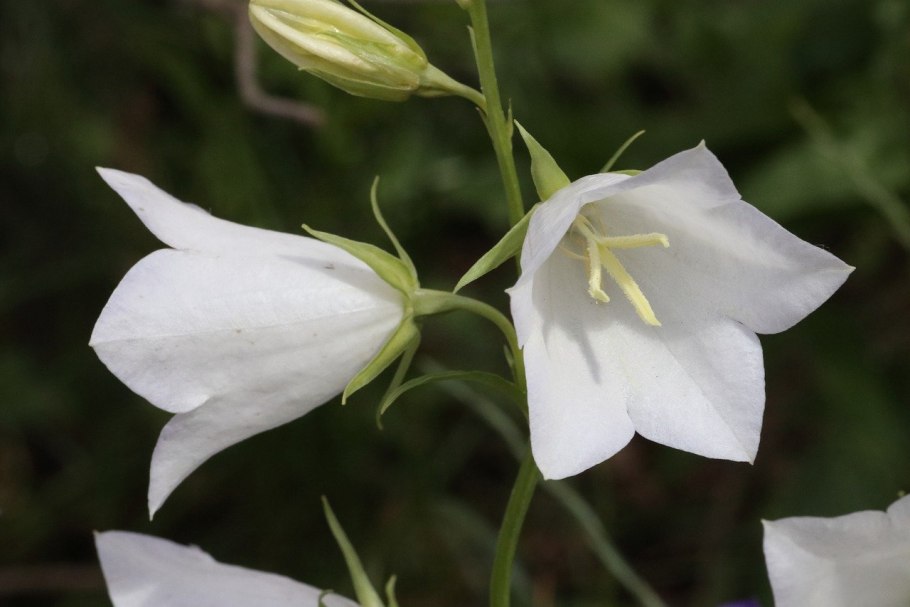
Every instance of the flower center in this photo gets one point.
(599, 256)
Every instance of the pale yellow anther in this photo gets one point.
(598, 256)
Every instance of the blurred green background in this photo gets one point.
(807, 103)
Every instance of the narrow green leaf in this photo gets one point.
(402, 254)
(397, 344)
(491, 381)
(387, 266)
(366, 594)
(619, 153)
(501, 252)
(548, 177)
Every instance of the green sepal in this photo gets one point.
(491, 381)
(404, 366)
(548, 177)
(619, 152)
(402, 339)
(377, 213)
(387, 266)
(390, 592)
(502, 251)
(630, 172)
(363, 589)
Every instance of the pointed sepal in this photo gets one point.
(390, 268)
(548, 177)
(401, 341)
(507, 247)
(363, 589)
(619, 152)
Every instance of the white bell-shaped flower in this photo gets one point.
(637, 309)
(145, 571)
(234, 329)
(846, 561)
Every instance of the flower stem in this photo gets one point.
(430, 301)
(509, 532)
(499, 128)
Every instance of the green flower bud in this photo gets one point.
(352, 50)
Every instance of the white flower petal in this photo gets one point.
(576, 388)
(858, 559)
(186, 226)
(237, 345)
(145, 571)
(182, 328)
(725, 256)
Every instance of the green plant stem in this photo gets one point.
(497, 125)
(430, 301)
(510, 531)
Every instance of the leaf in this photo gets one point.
(489, 380)
(501, 252)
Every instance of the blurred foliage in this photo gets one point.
(148, 86)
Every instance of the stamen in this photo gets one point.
(635, 241)
(629, 287)
(598, 256)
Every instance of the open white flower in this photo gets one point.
(847, 561)
(691, 272)
(235, 329)
(145, 571)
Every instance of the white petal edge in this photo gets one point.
(186, 226)
(861, 558)
(577, 408)
(145, 571)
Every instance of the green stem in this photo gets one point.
(498, 126)
(509, 532)
(430, 301)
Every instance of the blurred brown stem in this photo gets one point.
(251, 92)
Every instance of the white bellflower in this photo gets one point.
(637, 309)
(235, 330)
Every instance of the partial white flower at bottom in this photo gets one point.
(145, 571)
(637, 309)
(857, 560)
(234, 329)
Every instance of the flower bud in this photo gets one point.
(352, 50)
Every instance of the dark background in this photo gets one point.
(807, 103)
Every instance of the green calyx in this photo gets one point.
(396, 270)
